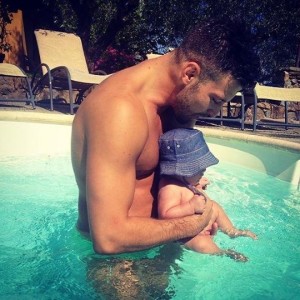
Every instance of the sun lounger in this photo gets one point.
(285, 95)
(13, 71)
(63, 66)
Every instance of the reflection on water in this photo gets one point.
(135, 278)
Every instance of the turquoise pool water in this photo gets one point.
(44, 257)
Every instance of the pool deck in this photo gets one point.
(270, 135)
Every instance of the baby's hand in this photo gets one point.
(199, 203)
(203, 183)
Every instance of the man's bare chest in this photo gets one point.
(148, 160)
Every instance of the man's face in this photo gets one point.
(204, 98)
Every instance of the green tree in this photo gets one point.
(143, 26)
(276, 26)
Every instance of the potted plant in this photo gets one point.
(5, 18)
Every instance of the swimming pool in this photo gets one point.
(43, 256)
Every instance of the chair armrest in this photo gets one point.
(38, 75)
(99, 72)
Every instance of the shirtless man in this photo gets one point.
(116, 130)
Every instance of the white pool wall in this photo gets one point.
(277, 158)
(26, 139)
(281, 159)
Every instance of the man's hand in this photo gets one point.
(207, 214)
(199, 203)
(210, 229)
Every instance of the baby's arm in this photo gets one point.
(170, 204)
(203, 183)
(226, 226)
(204, 244)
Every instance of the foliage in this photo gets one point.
(275, 24)
(143, 26)
(5, 18)
(113, 60)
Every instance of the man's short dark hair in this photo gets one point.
(222, 47)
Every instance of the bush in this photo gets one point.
(113, 60)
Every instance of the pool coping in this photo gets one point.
(222, 133)
(247, 137)
(36, 117)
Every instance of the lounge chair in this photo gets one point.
(63, 66)
(13, 71)
(281, 94)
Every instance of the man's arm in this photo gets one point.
(114, 142)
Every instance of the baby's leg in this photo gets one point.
(237, 256)
(203, 244)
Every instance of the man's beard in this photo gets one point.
(184, 102)
(182, 111)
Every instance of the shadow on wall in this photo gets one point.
(279, 162)
(16, 39)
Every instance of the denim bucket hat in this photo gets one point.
(184, 152)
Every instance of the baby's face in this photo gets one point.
(194, 180)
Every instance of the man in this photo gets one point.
(116, 130)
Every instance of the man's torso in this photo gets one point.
(146, 164)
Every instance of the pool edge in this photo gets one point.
(247, 137)
(62, 119)
(36, 117)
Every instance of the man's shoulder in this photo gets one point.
(111, 104)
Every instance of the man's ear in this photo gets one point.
(191, 70)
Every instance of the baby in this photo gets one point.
(184, 157)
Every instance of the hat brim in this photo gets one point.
(188, 168)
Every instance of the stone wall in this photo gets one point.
(12, 87)
(291, 77)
